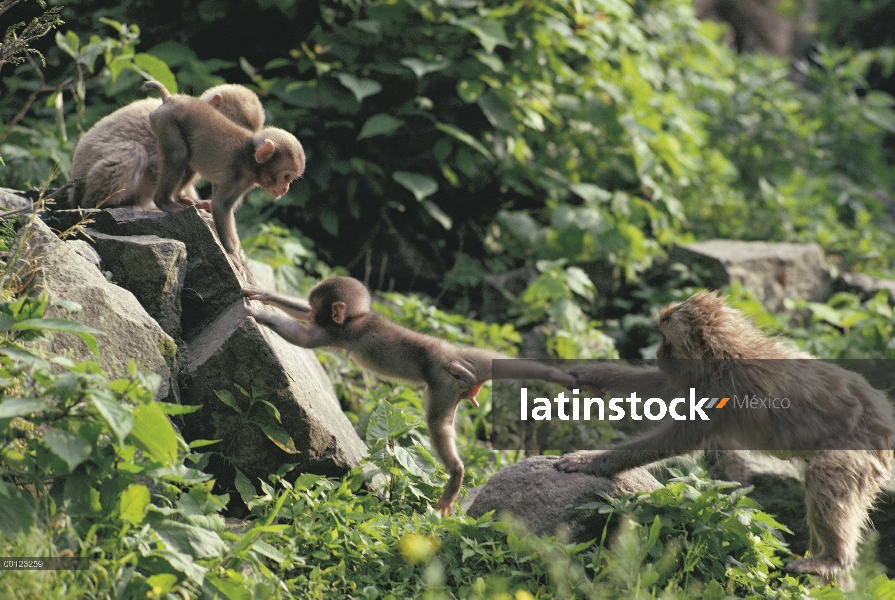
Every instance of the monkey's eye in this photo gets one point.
(287, 177)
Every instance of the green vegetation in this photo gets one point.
(447, 141)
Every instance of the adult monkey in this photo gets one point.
(116, 162)
(339, 315)
(845, 411)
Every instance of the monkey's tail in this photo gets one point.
(155, 85)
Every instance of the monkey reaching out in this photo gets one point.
(116, 162)
(339, 314)
(192, 135)
(840, 424)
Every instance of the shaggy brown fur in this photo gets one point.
(839, 423)
(116, 163)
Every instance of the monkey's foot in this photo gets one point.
(445, 505)
(827, 569)
(585, 461)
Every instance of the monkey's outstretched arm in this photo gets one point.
(665, 441)
(296, 308)
(648, 382)
(305, 336)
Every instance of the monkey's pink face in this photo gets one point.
(278, 185)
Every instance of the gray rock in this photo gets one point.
(773, 271)
(131, 334)
(229, 354)
(151, 268)
(211, 285)
(777, 487)
(86, 252)
(865, 285)
(534, 491)
(12, 200)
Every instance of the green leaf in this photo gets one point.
(244, 487)
(116, 416)
(16, 512)
(361, 88)
(388, 422)
(380, 124)
(201, 443)
(178, 409)
(68, 446)
(465, 138)
(490, 33)
(419, 185)
(416, 462)
(498, 113)
(18, 407)
(68, 43)
(437, 214)
(86, 333)
(590, 192)
(152, 67)
(278, 436)
(153, 433)
(134, 504)
(227, 398)
(421, 67)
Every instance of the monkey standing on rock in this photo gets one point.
(194, 136)
(339, 315)
(116, 162)
(840, 410)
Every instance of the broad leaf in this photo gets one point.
(134, 504)
(380, 124)
(154, 68)
(419, 185)
(361, 88)
(68, 446)
(18, 407)
(154, 434)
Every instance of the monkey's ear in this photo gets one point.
(339, 312)
(216, 100)
(265, 151)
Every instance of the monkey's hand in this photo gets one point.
(585, 461)
(250, 293)
(587, 376)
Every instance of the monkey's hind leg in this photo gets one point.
(840, 486)
(175, 154)
(441, 404)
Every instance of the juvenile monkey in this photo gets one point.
(339, 315)
(194, 136)
(116, 162)
(833, 408)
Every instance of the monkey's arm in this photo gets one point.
(305, 336)
(665, 441)
(648, 382)
(294, 307)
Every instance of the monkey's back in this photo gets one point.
(117, 158)
(208, 133)
(396, 352)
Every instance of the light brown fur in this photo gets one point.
(116, 162)
(192, 135)
(340, 316)
(844, 411)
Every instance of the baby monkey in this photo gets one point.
(339, 315)
(116, 162)
(192, 135)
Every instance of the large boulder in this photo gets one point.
(233, 353)
(773, 271)
(151, 268)
(211, 285)
(47, 263)
(546, 499)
